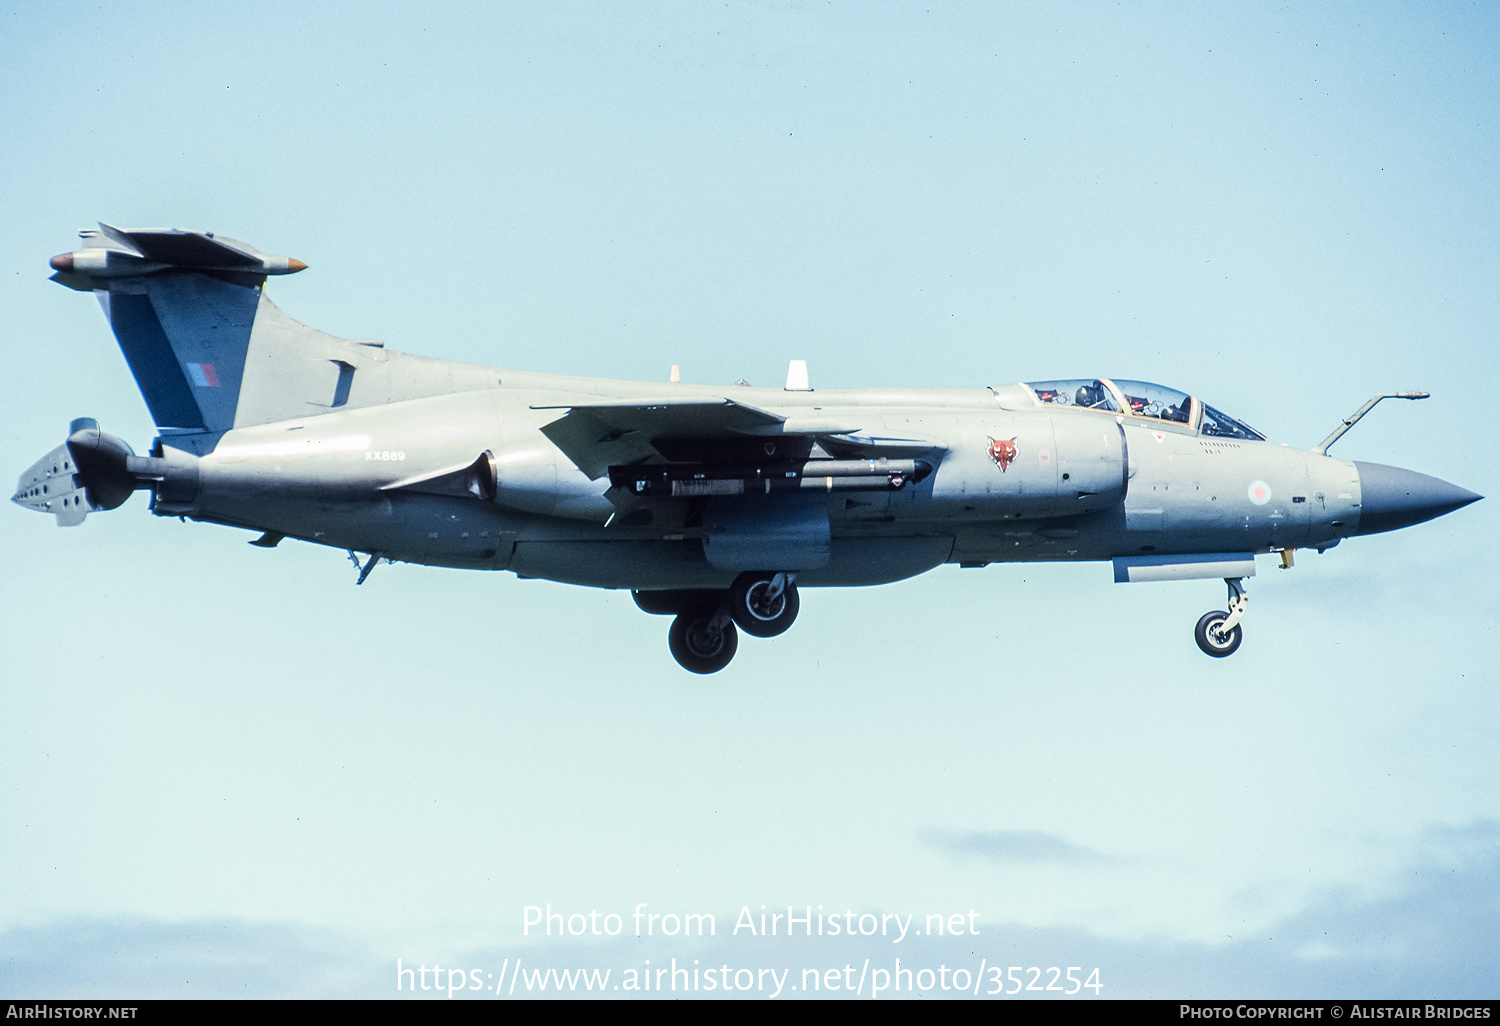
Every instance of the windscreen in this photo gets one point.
(1219, 425)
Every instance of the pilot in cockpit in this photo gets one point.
(1092, 395)
(1178, 413)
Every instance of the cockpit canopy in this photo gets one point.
(1143, 399)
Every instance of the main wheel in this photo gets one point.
(1211, 637)
(698, 646)
(756, 610)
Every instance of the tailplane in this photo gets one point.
(208, 348)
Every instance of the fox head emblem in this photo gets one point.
(1002, 451)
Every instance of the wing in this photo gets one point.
(597, 435)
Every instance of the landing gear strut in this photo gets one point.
(1218, 633)
(764, 604)
(703, 640)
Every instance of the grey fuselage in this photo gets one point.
(271, 425)
(1081, 485)
(714, 505)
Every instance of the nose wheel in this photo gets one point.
(1218, 632)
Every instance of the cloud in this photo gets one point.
(1013, 846)
(1435, 933)
(201, 958)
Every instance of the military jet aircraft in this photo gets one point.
(712, 505)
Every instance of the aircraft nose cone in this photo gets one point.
(1392, 497)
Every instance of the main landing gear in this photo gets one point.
(1218, 633)
(764, 605)
(703, 638)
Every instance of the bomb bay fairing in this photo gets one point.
(712, 505)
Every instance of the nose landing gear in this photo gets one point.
(1218, 633)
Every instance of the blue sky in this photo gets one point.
(224, 770)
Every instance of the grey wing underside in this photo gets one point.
(596, 436)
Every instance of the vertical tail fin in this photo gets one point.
(185, 336)
(208, 349)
